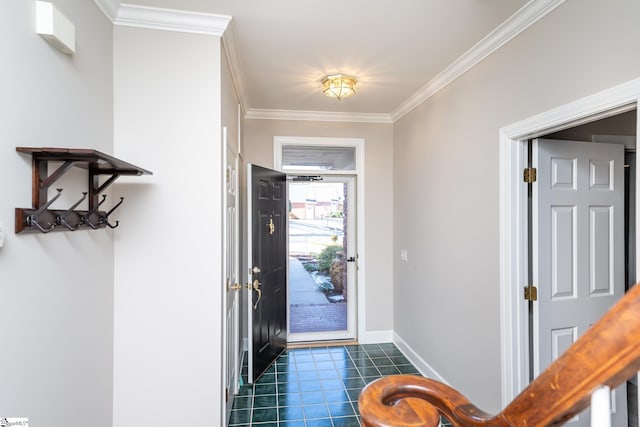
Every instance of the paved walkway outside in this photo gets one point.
(302, 287)
(318, 318)
(309, 309)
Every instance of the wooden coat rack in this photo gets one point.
(41, 218)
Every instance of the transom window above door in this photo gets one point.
(319, 158)
(321, 155)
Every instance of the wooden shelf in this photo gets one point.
(85, 158)
(40, 218)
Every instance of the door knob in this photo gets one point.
(256, 287)
(256, 270)
(234, 287)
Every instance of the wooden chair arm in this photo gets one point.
(607, 354)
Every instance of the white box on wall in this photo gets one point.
(54, 27)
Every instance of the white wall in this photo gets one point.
(258, 149)
(446, 181)
(167, 355)
(229, 105)
(56, 290)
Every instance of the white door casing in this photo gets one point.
(513, 217)
(359, 173)
(578, 246)
(248, 250)
(231, 329)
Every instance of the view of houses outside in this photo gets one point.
(317, 264)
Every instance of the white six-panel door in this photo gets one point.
(578, 246)
(232, 287)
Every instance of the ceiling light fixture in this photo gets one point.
(338, 85)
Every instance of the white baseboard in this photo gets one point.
(377, 337)
(420, 364)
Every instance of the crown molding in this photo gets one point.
(529, 14)
(109, 8)
(317, 116)
(237, 73)
(220, 25)
(131, 15)
(183, 21)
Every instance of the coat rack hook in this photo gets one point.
(32, 220)
(61, 219)
(85, 218)
(105, 219)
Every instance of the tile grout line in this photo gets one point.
(353, 407)
(337, 371)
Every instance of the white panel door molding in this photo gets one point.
(231, 275)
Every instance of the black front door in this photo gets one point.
(268, 263)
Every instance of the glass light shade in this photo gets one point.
(339, 86)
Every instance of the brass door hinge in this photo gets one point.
(530, 293)
(530, 175)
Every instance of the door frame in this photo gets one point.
(513, 217)
(359, 173)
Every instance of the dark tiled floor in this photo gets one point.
(318, 386)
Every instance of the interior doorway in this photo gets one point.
(513, 200)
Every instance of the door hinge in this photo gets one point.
(226, 394)
(530, 175)
(530, 293)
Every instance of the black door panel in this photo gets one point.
(269, 206)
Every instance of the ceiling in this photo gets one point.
(395, 48)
